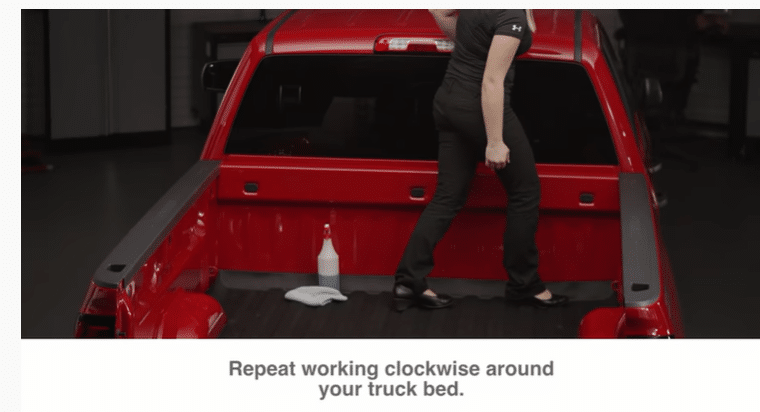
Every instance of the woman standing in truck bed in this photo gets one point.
(475, 121)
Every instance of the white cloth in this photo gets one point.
(315, 295)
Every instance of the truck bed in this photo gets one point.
(256, 308)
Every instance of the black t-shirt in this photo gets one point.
(475, 31)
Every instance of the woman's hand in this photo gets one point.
(497, 156)
(446, 20)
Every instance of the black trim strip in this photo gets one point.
(145, 237)
(578, 36)
(581, 291)
(270, 36)
(641, 267)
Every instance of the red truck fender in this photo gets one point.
(603, 323)
(179, 314)
(188, 315)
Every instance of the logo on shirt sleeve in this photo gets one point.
(516, 28)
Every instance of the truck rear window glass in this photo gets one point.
(380, 107)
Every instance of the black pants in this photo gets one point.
(462, 142)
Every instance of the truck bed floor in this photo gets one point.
(256, 308)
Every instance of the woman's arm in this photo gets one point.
(500, 56)
(446, 20)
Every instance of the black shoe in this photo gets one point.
(554, 301)
(404, 298)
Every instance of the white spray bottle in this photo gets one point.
(327, 263)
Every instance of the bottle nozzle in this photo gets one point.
(327, 231)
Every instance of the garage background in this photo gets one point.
(112, 114)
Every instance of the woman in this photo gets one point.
(475, 121)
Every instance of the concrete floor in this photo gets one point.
(711, 228)
(73, 216)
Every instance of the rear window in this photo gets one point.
(560, 112)
(380, 107)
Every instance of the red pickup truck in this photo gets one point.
(327, 119)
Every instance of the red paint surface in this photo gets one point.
(603, 323)
(167, 294)
(372, 214)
